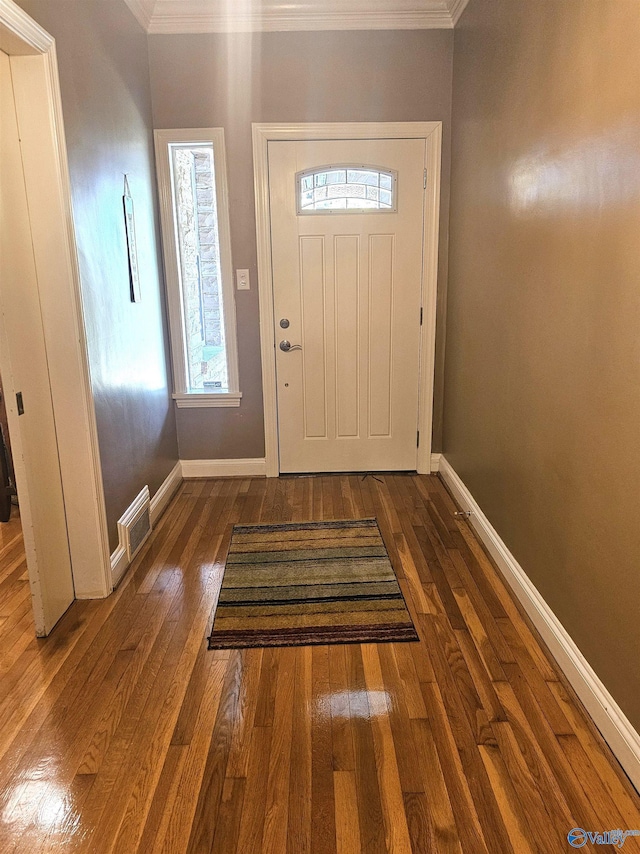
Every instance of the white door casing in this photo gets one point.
(341, 412)
(34, 72)
(25, 371)
(349, 285)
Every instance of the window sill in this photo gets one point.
(207, 401)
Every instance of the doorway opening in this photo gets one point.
(337, 248)
(43, 358)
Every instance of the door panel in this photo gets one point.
(24, 363)
(349, 284)
(312, 284)
(347, 280)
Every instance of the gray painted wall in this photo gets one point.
(104, 77)
(232, 80)
(542, 391)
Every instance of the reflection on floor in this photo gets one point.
(121, 732)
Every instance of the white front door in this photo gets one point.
(25, 375)
(347, 244)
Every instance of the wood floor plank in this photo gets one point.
(342, 746)
(480, 676)
(469, 728)
(592, 785)
(148, 774)
(323, 818)
(370, 814)
(346, 801)
(394, 816)
(468, 826)
(300, 779)
(478, 631)
(204, 823)
(166, 791)
(230, 815)
(512, 811)
(443, 833)
(123, 733)
(420, 594)
(543, 754)
(605, 766)
(526, 663)
(455, 680)
(144, 736)
(410, 680)
(399, 493)
(411, 781)
(253, 812)
(546, 816)
(238, 764)
(274, 836)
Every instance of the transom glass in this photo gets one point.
(346, 189)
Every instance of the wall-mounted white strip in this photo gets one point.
(166, 492)
(223, 468)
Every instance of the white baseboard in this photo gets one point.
(435, 463)
(616, 729)
(119, 563)
(166, 492)
(223, 468)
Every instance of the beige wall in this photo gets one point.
(104, 77)
(542, 385)
(232, 80)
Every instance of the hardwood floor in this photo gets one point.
(121, 732)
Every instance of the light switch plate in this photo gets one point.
(242, 280)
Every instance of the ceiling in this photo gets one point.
(223, 16)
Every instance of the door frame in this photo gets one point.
(262, 134)
(32, 54)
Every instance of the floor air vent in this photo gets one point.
(135, 525)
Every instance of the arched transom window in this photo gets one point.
(352, 189)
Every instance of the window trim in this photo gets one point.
(182, 394)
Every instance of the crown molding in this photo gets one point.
(205, 16)
(206, 22)
(142, 11)
(19, 33)
(456, 8)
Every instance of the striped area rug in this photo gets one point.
(305, 583)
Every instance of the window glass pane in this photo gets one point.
(194, 191)
(346, 188)
(362, 204)
(336, 176)
(331, 204)
(363, 177)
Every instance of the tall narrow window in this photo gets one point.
(197, 249)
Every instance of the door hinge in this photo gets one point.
(424, 180)
(420, 315)
(418, 439)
